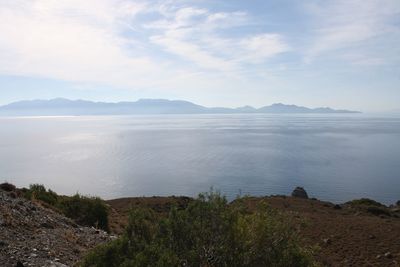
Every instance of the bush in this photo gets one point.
(209, 232)
(89, 211)
(365, 202)
(378, 211)
(39, 192)
(7, 187)
(371, 206)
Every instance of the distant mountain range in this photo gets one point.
(61, 106)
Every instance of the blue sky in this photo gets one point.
(342, 54)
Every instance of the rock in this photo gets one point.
(3, 244)
(19, 264)
(371, 237)
(378, 257)
(327, 241)
(55, 264)
(398, 203)
(388, 255)
(337, 207)
(300, 193)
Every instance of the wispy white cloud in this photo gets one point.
(194, 35)
(104, 41)
(260, 47)
(352, 25)
(363, 60)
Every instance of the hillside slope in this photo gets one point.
(32, 235)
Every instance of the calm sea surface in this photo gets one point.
(335, 157)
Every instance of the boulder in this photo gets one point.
(300, 193)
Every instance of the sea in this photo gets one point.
(335, 157)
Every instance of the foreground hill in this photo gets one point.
(61, 106)
(351, 234)
(357, 233)
(34, 235)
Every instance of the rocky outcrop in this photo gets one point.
(300, 193)
(31, 235)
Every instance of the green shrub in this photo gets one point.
(365, 202)
(39, 192)
(209, 232)
(89, 211)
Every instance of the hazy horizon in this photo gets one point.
(339, 54)
(168, 99)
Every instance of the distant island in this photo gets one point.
(65, 107)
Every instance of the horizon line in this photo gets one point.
(173, 99)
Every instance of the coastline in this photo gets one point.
(356, 233)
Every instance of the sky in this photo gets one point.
(342, 53)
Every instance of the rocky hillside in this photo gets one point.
(357, 233)
(32, 235)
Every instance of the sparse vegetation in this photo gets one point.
(379, 211)
(370, 206)
(90, 211)
(365, 202)
(39, 192)
(85, 210)
(209, 232)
